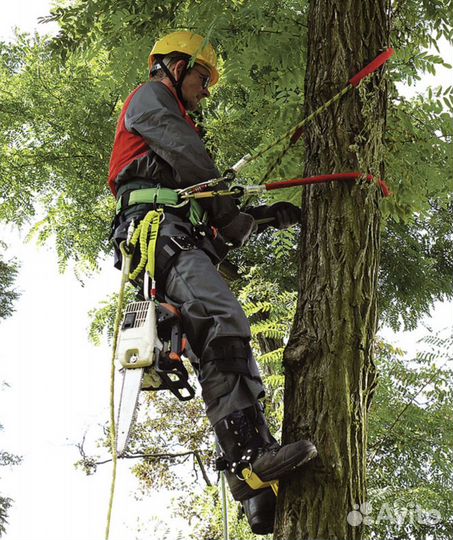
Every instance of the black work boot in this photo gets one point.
(258, 506)
(246, 443)
(260, 511)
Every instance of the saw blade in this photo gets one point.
(127, 406)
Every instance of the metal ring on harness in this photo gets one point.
(239, 475)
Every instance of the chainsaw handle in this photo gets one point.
(176, 338)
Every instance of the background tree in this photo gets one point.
(410, 441)
(8, 294)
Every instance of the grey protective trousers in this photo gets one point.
(210, 311)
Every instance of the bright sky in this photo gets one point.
(60, 389)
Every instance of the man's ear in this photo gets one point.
(179, 68)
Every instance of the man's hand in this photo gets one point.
(285, 215)
(238, 231)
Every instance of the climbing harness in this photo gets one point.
(168, 198)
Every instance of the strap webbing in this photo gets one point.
(255, 482)
(163, 196)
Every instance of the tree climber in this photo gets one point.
(157, 145)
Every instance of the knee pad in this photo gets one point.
(221, 363)
(227, 364)
(230, 354)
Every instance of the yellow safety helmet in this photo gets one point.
(187, 43)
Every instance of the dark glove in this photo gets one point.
(285, 214)
(238, 231)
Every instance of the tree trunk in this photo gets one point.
(328, 361)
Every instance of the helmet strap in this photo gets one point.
(177, 85)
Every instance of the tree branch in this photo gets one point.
(157, 456)
(202, 468)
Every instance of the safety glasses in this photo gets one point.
(205, 79)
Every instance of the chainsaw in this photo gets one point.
(149, 350)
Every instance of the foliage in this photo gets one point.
(417, 239)
(5, 505)
(270, 310)
(55, 148)
(155, 527)
(416, 263)
(169, 428)
(9, 459)
(8, 294)
(411, 440)
(205, 510)
(417, 26)
(102, 317)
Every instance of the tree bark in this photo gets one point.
(328, 362)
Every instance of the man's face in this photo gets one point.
(194, 86)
